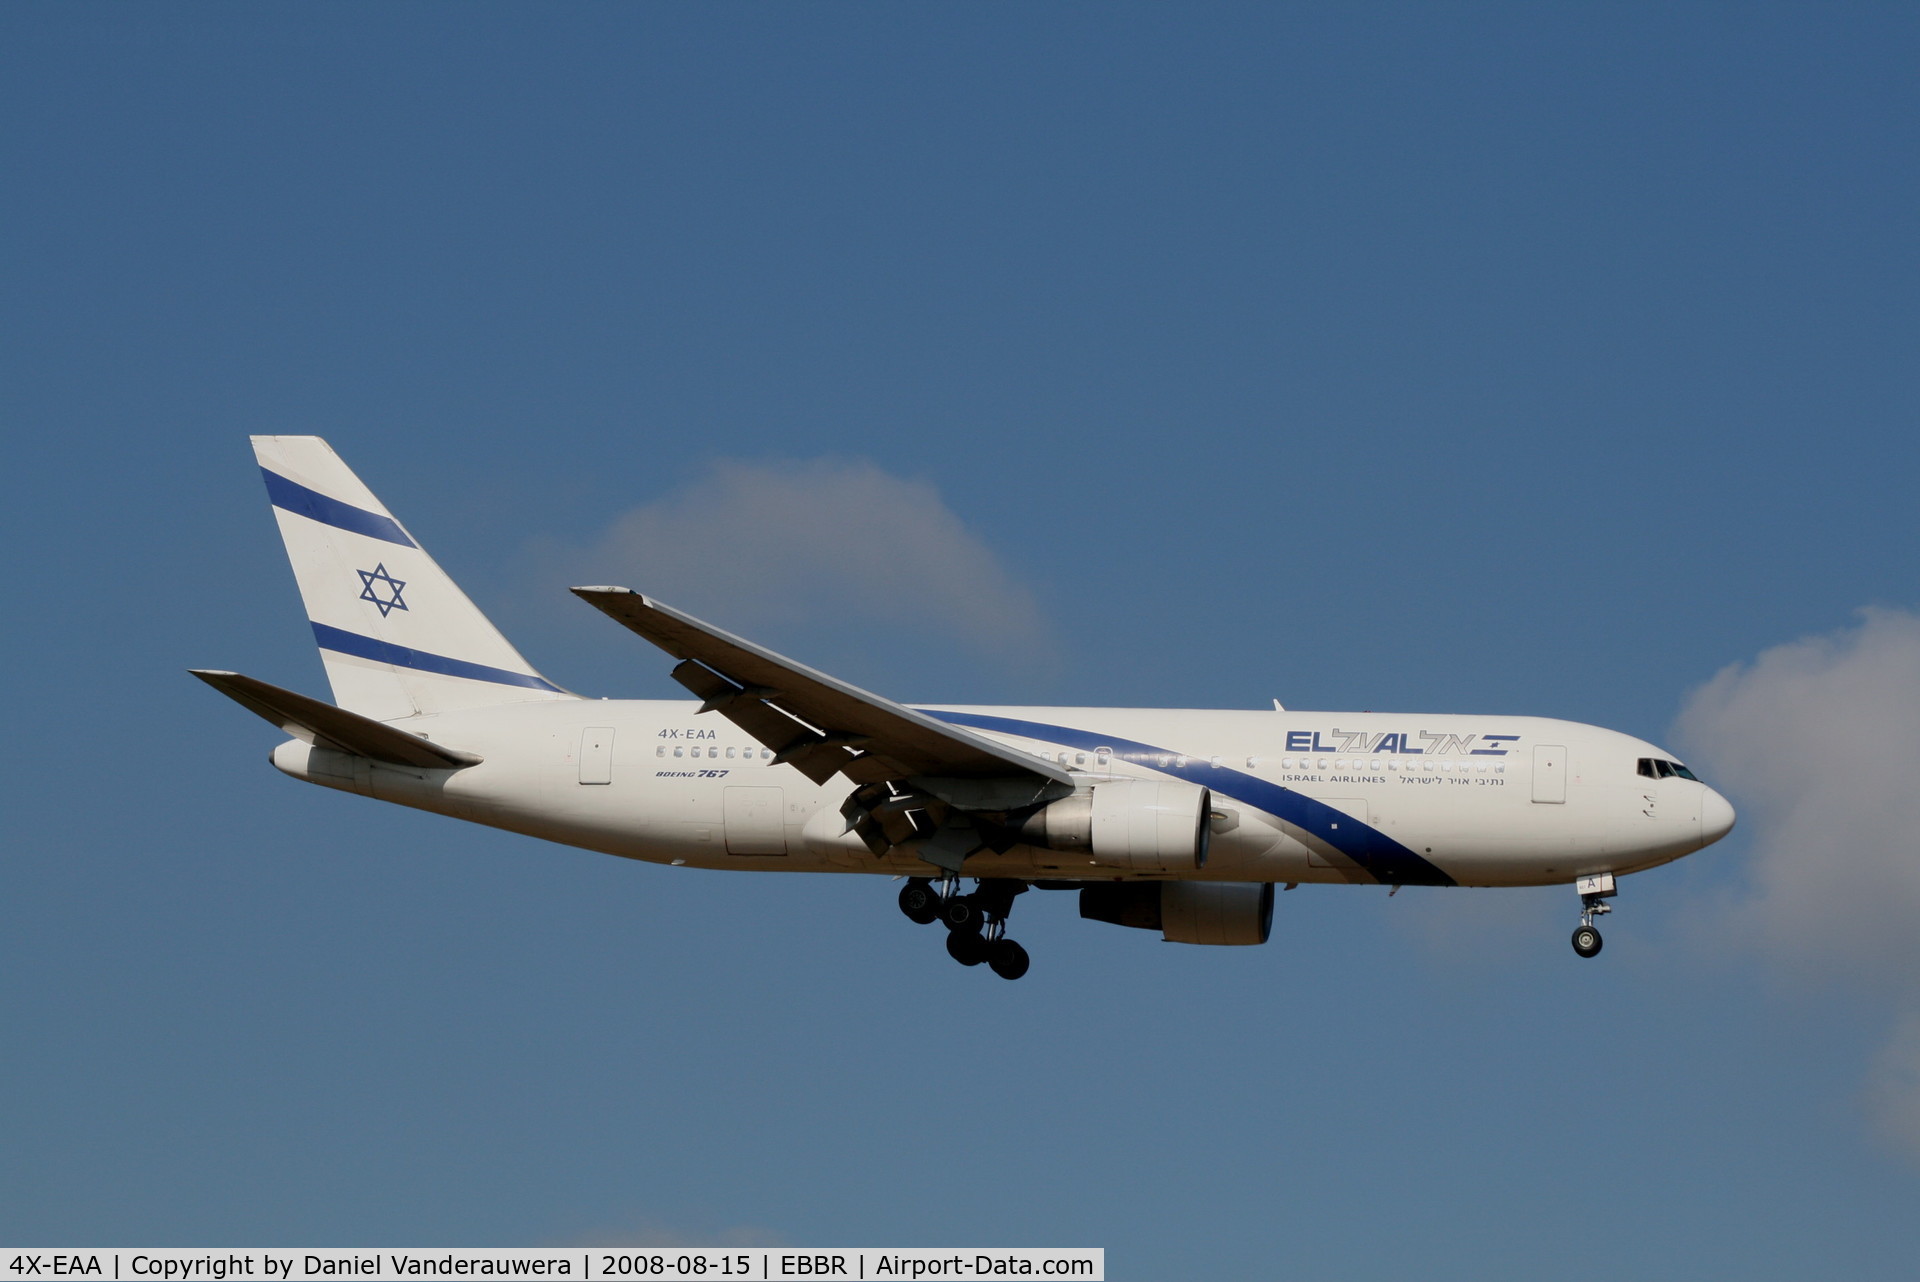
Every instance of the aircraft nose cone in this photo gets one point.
(1716, 817)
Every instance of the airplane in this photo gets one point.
(1176, 821)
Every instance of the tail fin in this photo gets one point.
(398, 637)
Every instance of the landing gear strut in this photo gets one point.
(1594, 893)
(976, 923)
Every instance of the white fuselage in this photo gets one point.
(1296, 796)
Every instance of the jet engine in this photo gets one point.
(1186, 912)
(1142, 825)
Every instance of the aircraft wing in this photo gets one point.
(823, 726)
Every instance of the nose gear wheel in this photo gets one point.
(1594, 894)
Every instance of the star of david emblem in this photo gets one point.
(389, 602)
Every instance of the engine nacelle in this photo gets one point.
(1186, 912)
(1142, 825)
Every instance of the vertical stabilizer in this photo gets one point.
(398, 637)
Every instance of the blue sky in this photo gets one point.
(1440, 358)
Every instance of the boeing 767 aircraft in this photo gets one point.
(1178, 821)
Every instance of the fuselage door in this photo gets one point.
(756, 822)
(1549, 772)
(596, 754)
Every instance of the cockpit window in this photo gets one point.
(1659, 768)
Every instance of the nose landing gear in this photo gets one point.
(1594, 891)
(976, 924)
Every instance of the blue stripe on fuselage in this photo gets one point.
(315, 506)
(344, 642)
(1385, 859)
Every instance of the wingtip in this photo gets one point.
(599, 593)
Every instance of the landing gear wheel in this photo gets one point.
(919, 902)
(962, 915)
(966, 947)
(1586, 941)
(1008, 959)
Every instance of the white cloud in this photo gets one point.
(810, 542)
(1816, 743)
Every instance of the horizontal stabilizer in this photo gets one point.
(326, 726)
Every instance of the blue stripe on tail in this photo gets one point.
(343, 642)
(315, 506)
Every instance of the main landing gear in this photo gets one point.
(976, 924)
(1594, 893)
